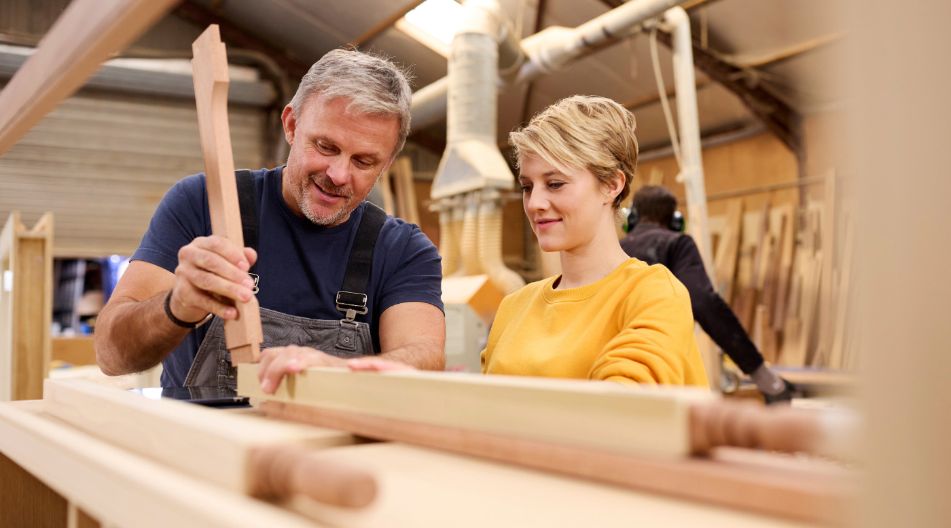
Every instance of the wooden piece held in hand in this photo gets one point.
(243, 335)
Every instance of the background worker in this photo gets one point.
(655, 236)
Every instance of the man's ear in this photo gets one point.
(290, 124)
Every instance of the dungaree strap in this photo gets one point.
(352, 297)
(248, 204)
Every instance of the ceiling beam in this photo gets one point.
(688, 5)
(384, 25)
(240, 37)
(781, 119)
(643, 102)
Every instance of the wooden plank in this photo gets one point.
(778, 222)
(407, 207)
(78, 518)
(26, 501)
(243, 335)
(787, 254)
(74, 350)
(487, 403)
(727, 250)
(828, 297)
(119, 487)
(803, 495)
(87, 33)
(754, 233)
(26, 259)
(408, 473)
(229, 450)
(837, 358)
(670, 421)
(386, 189)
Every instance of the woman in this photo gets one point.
(607, 316)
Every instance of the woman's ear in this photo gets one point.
(616, 185)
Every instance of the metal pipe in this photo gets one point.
(691, 170)
(546, 51)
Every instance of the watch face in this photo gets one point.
(208, 396)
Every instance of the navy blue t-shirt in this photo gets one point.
(301, 264)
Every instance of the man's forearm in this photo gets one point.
(424, 356)
(132, 336)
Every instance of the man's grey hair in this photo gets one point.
(373, 84)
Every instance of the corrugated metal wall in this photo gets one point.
(102, 161)
(104, 158)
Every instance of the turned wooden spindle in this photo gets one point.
(280, 471)
(751, 425)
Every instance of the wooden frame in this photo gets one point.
(26, 259)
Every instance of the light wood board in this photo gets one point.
(203, 442)
(463, 492)
(121, 488)
(647, 420)
(26, 258)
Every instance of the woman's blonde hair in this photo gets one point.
(583, 132)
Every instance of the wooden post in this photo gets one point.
(26, 307)
(243, 335)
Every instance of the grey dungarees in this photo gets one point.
(342, 338)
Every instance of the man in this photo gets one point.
(655, 238)
(345, 125)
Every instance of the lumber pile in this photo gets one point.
(786, 270)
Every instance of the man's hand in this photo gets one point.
(212, 275)
(376, 364)
(412, 336)
(278, 362)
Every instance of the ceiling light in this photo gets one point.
(433, 23)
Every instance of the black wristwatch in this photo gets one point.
(179, 322)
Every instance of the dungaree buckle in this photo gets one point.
(351, 303)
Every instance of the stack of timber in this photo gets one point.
(786, 270)
(647, 456)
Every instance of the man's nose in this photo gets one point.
(339, 170)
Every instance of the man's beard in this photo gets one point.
(328, 186)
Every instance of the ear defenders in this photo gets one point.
(677, 222)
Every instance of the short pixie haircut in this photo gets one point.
(583, 132)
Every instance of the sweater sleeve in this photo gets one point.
(655, 344)
(495, 330)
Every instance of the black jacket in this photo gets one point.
(655, 244)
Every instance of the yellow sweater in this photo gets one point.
(634, 325)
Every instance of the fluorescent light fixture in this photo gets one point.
(433, 23)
